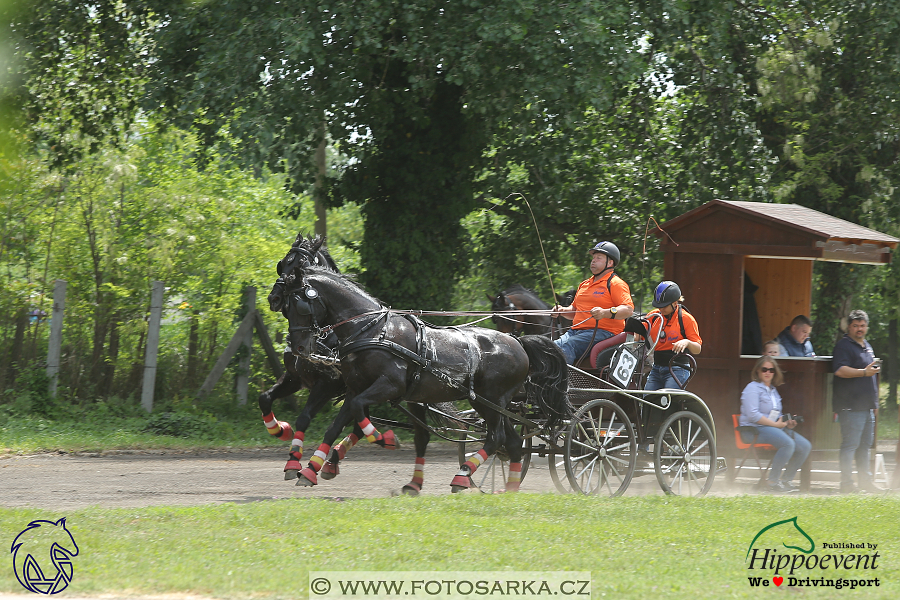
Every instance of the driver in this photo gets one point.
(679, 335)
(601, 305)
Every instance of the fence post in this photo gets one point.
(243, 378)
(56, 327)
(156, 302)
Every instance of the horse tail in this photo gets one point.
(448, 408)
(547, 385)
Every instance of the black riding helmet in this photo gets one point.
(666, 293)
(609, 249)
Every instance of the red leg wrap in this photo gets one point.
(515, 477)
(330, 470)
(461, 481)
(412, 488)
(388, 440)
(309, 474)
(347, 443)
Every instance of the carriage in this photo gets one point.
(595, 426)
(617, 430)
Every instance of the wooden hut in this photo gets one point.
(713, 251)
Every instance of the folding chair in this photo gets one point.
(749, 448)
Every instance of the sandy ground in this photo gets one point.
(136, 479)
(161, 478)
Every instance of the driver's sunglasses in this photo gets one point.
(767, 369)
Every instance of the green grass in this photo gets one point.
(643, 547)
(102, 426)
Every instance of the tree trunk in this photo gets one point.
(112, 356)
(319, 190)
(193, 349)
(15, 352)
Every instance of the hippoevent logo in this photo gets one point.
(836, 564)
(42, 556)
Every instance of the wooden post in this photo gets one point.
(156, 302)
(56, 328)
(243, 378)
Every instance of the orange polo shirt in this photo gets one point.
(671, 329)
(593, 293)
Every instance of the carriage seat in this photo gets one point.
(605, 345)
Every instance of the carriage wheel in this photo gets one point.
(685, 455)
(556, 464)
(600, 451)
(491, 475)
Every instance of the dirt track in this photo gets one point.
(57, 481)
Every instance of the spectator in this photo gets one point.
(679, 335)
(761, 408)
(855, 400)
(772, 348)
(794, 339)
(601, 305)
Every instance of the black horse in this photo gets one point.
(516, 298)
(323, 380)
(388, 357)
(316, 372)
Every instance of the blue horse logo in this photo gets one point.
(40, 539)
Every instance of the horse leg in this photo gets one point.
(422, 436)
(287, 384)
(514, 449)
(331, 468)
(382, 390)
(495, 438)
(319, 395)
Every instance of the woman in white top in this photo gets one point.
(761, 407)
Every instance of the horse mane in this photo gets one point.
(518, 288)
(345, 279)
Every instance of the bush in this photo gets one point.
(182, 424)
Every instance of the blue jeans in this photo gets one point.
(857, 433)
(792, 451)
(660, 378)
(574, 343)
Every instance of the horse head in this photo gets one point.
(304, 252)
(502, 303)
(318, 298)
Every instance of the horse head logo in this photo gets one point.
(788, 530)
(32, 548)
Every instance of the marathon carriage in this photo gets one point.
(617, 430)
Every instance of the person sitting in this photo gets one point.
(602, 303)
(794, 339)
(679, 335)
(761, 407)
(772, 348)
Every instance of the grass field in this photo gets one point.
(650, 547)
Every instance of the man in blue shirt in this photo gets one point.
(855, 400)
(794, 340)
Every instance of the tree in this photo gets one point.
(412, 92)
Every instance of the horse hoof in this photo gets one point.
(330, 470)
(389, 440)
(287, 433)
(455, 489)
(307, 478)
(290, 474)
(410, 489)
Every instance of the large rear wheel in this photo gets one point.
(685, 455)
(600, 451)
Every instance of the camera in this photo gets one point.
(789, 416)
